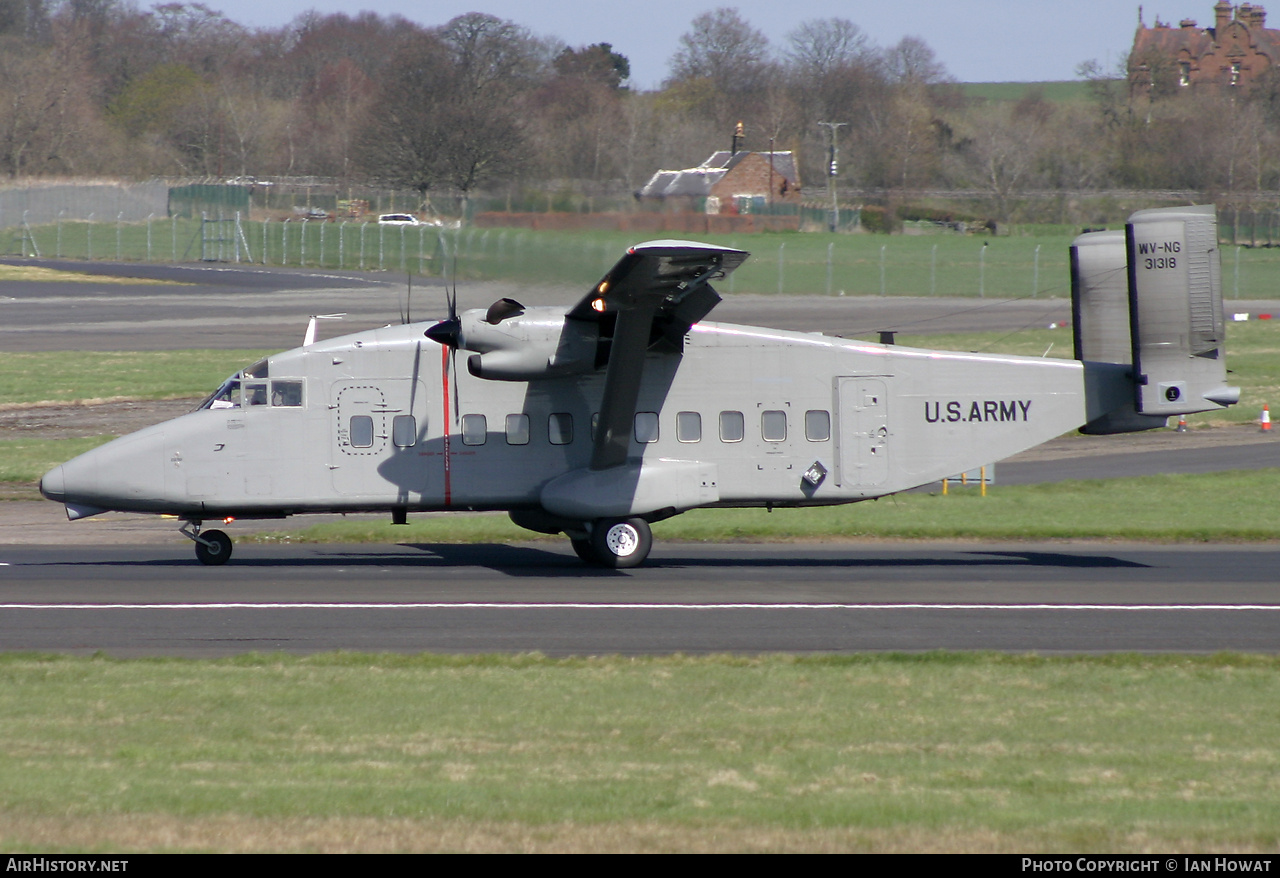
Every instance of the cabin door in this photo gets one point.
(379, 445)
(863, 405)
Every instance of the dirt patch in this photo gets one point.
(62, 421)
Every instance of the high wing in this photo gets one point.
(649, 299)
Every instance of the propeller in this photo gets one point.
(448, 333)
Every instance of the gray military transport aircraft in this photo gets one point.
(628, 408)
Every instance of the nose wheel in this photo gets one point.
(617, 543)
(213, 547)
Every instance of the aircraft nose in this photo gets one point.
(52, 486)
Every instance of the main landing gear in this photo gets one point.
(213, 547)
(617, 543)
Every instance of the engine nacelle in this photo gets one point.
(529, 345)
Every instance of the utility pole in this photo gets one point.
(833, 167)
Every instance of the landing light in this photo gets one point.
(598, 305)
(228, 519)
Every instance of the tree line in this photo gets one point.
(105, 88)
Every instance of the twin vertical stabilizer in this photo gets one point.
(1147, 308)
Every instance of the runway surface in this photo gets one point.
(130, 601)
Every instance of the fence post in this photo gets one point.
(402, 268)
(342, 254)
(1237, 282)
(90, 236)
(284, 241)
(323, 223)
(265, 223)
(362, 228)
(883, 247)
(173, 229)
(119, 223)
(734, 246)
(302, 254)
(982, 271)
(149, 218)
(781, 266)
(59, 247)
(933, 271)
(382, 250)
(830, 250)
(1035, 276)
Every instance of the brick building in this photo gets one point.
(1237, 51)
(728, 182)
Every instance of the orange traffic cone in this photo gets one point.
(1265, 420)
(1182, 424)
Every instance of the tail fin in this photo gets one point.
(1147, 306)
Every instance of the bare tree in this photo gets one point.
(431, 128)
(722, 67)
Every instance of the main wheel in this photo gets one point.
(621, 542)
(582, 548)
(215, 549)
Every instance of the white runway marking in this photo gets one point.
(636, 606)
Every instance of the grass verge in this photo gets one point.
(942, 752)
(96, 376)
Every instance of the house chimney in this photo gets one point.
(1221, 17)
(737, 140)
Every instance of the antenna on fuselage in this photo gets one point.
(310, 337)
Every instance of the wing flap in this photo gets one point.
(652, 296)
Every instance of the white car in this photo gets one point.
(399, 219)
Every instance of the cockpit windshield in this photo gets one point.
(251, 388)
(225, 397)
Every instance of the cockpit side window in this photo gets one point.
(257, 370)
(255, 393)
(286, 393)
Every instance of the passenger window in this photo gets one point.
(773, 426)
(688, 427)
(361, 431)
(732, 427)
(404, 431)
(255, 394)
(474, 429)
(646, 427)
(286, 393)
(517, 429)
(817, 425)
(560, 428)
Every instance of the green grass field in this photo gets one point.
(94, 376)
(936, 752)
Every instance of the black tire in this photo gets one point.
(582, 548)
(215, 550)
(620, 543)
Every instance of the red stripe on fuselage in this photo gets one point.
(444, 382)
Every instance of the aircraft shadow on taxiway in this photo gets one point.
(535, 561)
